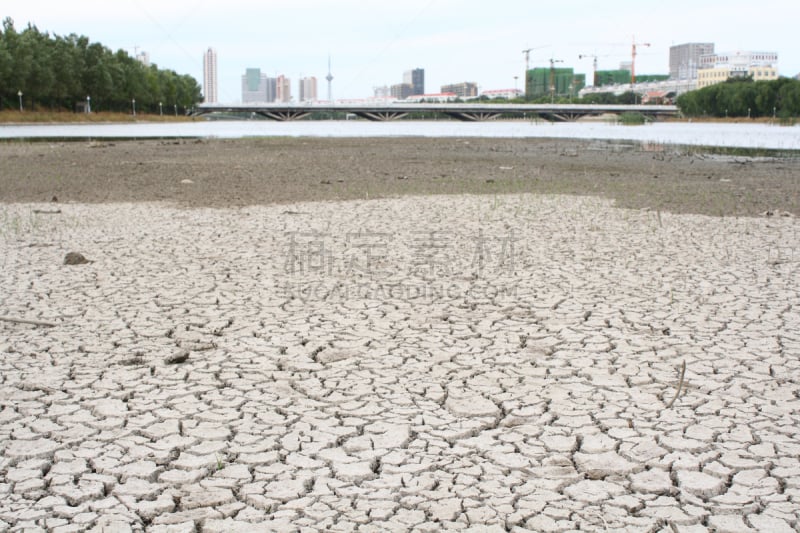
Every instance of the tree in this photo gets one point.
(743, 97)
(60, 71)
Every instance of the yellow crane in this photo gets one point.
(633, 59)
(553, 77)
(527, 53)
(594, 66)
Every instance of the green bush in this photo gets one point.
(632, 119)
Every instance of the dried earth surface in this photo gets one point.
(284, 170)
(250, 356)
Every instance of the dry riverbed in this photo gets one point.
(568, 337)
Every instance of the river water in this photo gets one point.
(695, 134)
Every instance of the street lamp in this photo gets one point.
(88, 104)
(19, 93)
(133, 105)
(160, 109)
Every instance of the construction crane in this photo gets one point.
(594, 66)
(527, 53)
(553, 77)
(633, 59)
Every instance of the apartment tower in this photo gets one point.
(283, 89)
(415, 78)
(308, 89)
(210, 76)
(254, 86)
(684, 59)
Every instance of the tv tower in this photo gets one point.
(329, 77)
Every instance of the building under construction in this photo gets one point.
(612, 77)
(623, 77)
(553, 82)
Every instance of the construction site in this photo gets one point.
(558, 81)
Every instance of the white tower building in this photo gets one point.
(210, 76)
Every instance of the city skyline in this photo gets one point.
(372, 46)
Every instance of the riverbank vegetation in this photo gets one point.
(68, 117)
(44, 72)
(775, 99)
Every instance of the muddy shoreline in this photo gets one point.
(230, 173)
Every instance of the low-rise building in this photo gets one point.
(466, 89)
(717, 68)
(508, 94)
(432, 98)
(401, 91)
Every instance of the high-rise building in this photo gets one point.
(254, 86)
(415, 78)
(684, 59)
(307, 88)
(210, 76)
(283, 89)
(272, 89)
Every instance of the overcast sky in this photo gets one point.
(373, 43)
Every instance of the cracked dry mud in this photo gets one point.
(421, 363)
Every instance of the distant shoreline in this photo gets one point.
(11, 118)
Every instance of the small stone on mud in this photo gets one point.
(187, 182)
(75, 258)
(177, 358)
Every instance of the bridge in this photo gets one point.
(466, 112)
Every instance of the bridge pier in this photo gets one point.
(473, 117)
(284, 116)
(381, 116)
(566, 117)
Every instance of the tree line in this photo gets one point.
(744, 98)
(58, 73)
